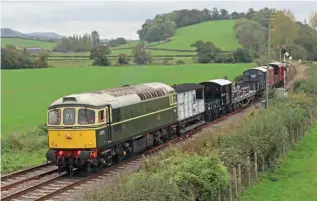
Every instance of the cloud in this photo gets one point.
(119, 18)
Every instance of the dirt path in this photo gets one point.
(301, 73)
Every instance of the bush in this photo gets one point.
(17, 148)
(99, 54)
(238, 78)
(165, 62)
(242, 55)
(123, 59)
(141, 56)
(139, 187)
(14, 58)
(179, 62)
(224, 58)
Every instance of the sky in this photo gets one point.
(114, 19)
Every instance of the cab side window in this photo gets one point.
(101, 116)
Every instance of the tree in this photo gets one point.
(284, 30)
(252, 36)
(75, 43)
(313, 20)
(215, 14)
(123, 59)
(250, 13)
(206, 51)
(117, 42)
(224, 14)
(99, 54)
(242, 55)
(95, 38)
(141, 56)
(307, 38)
(305, 21)
(235, 15)
(297, 51)
(14, 58)
(41, 61)
(289, 14)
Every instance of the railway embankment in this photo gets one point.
(222, 164)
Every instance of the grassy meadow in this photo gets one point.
(295, 180)
(23, 43)
(221, 33)
(26, 94)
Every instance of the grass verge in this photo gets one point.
(296, 177)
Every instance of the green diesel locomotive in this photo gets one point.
(98, 128)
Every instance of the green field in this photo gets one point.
(296, 179)
(221, 33)
(26, 94)
(115, 52)
(20, 42)
(135, 42)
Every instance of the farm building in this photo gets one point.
(33, 50)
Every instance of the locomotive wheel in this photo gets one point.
(69, 170)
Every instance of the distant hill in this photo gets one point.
(49, 35)
(10, 33)
(6, 32)
(27, 43)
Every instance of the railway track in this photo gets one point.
(58, 185)
(16, 178)
(290, 77)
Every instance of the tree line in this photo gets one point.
(14, 58)
(300, 39)
(163, 26)
(99, 54)
(78, 43)
(75, 43)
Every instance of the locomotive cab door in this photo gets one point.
(109, 121)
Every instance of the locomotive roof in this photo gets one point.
(221, 82)
(276, 63)
(116, 97)
(266, 67)
(260, 69)
(179, 88)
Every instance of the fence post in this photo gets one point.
(239, 180)
(256, 165)
(235, 182)
(249, 171)
(219, 194)
(293, 136)
(230, 189)
(263, 163)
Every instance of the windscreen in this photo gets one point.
(54, 117)
(86, 116)
(69, 116)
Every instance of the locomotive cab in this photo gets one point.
(74, 132)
